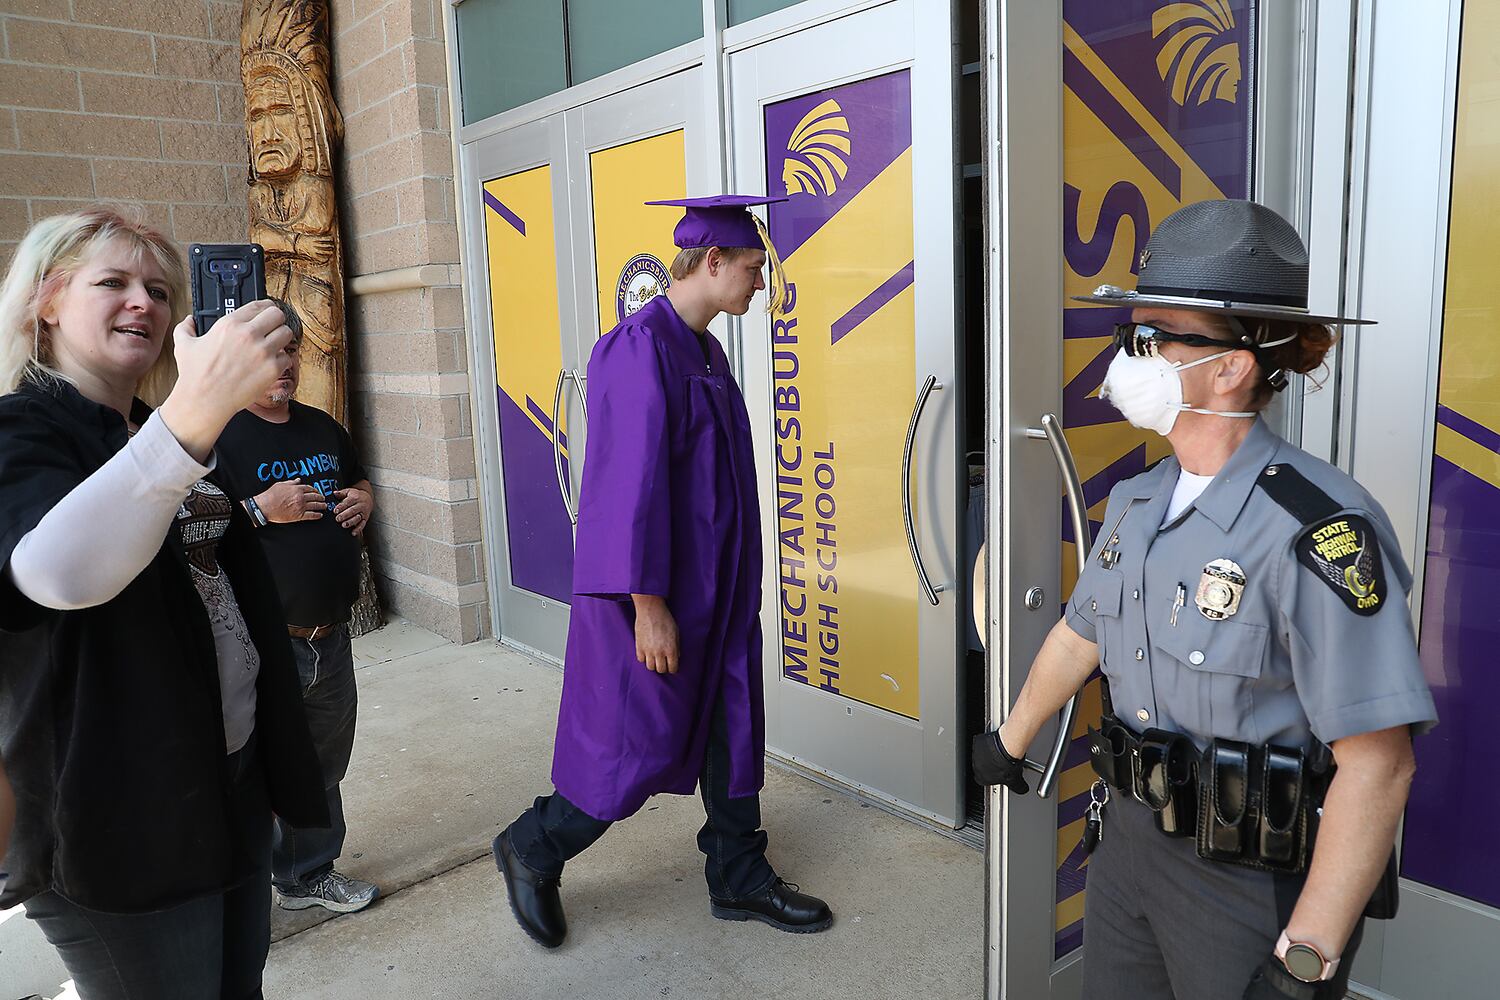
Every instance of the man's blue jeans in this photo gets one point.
(326, 666)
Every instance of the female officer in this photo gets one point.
(1246, 604)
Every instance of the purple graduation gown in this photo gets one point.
(667, 506)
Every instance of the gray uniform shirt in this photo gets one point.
(1298, 658)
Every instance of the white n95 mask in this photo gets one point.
(1148, 391)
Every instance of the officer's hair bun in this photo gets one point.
(1304, 356)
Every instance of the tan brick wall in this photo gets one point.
(136, 103)
(139, 102)
(409, 358)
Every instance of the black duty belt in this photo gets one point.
(1255, 806)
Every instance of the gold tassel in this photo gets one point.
(776, 286)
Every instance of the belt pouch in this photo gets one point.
(1224, 800)
(1109, 753)
(1163, 780)
(1179, 818)
(1282, 809)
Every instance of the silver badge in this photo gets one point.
(1219, 589)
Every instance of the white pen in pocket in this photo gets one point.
(1178, 603)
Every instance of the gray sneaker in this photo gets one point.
(334, 891)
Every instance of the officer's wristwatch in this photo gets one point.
(1304, 961)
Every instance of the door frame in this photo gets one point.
(540, 624)
(1021, 78)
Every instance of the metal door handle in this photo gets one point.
(582, 381)
(928, 388)
(1051, 430)
(563, 376)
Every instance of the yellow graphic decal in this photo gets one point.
(864, 393)
(1473, 458)
(522, 261)
(818, 156)
(633, 241)
(1189, 58)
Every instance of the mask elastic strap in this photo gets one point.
(1201, 361)
(1238, 414)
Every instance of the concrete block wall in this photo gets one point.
(139, 102)
(410, 402)
(135, 103)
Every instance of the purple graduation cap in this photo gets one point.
(724, 220)
(719, 220)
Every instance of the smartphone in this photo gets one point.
(225, 276)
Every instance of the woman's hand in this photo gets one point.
(221, 373)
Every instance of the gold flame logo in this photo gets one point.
(1193, 57)
(818, 152)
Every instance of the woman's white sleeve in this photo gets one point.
(109, 527)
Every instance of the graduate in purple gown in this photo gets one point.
(662, 684)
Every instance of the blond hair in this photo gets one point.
(687, 261)
(47, 257)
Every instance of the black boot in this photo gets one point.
(533, 897)
(781, 906)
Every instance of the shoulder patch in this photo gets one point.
(1344, 552)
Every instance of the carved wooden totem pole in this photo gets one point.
(293, 128)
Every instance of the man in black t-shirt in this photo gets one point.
(295, 470)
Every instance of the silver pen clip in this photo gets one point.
(1177, 605)
(1109, 555)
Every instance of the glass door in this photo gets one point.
(1145, 107)
(854, 400)
(522, 295)
(563, 248)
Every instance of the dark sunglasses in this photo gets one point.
(1140, 340)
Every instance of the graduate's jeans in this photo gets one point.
(300, 857)
(555, 830)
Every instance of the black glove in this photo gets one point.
(993, 765)
(1272, 982)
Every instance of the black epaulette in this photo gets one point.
(1297, 495)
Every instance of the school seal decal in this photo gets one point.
(642, 279)
(1345, 553)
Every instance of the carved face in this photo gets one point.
(275, 146)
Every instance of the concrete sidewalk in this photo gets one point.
(454, 742)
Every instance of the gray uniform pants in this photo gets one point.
(1163, 924)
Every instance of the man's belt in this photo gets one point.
(310, 634)
(1247, 805)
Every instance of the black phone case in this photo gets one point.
(224, 277)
